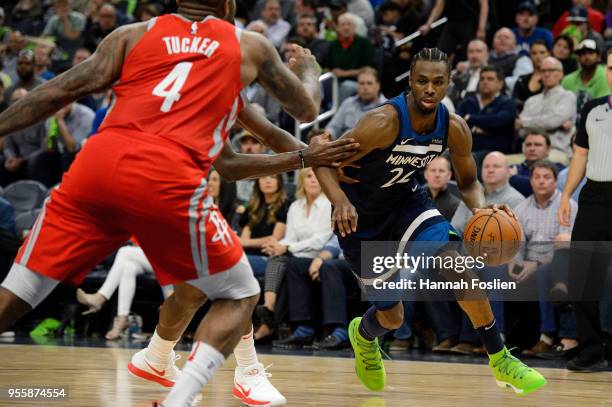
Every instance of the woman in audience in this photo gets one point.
(563, 50)
(308, 229)
(224, 196)
(129, 263)
(264, 220)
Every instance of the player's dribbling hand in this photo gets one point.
(324, 153)
(495, 208)
(344, 217)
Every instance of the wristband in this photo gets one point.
(302, 163)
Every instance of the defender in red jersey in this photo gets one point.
(177, 80)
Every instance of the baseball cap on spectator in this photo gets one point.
(578, 14)
(587, 46)
(527, 6)
(244, 135)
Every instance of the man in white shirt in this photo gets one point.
(278, 29)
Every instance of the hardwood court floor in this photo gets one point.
(98, 377)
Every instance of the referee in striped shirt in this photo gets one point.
(593, 156)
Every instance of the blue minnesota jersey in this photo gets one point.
(387, 190)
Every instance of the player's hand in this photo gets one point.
(495, 208)
(342, 176)
(302, 61)
(564, 212)
(321, 152)
(344, 217)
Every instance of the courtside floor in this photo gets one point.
(97, 376)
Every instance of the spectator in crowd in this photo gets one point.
(91, 101)
(466, 20)
(348, 55)
(4, 29)
(223, 194)
(264, 219)
(42, 61)
(66, 26)
(531, 84)
(248, 144)
(538, 218)
(308, 229)
(287, 10)
(278, 29)
(22, 150)
(15, 44)
(580, 28)
(27, 17)
(588, 82)
(5, 79)
(536, 147)
(145, 12)
(350, 111)
(527, 30)
(258, 26)
(490, 114)
(26, 78)
(553, 111)
(390, 14)
(466, 79)
(307, 30)
(66, 131)
(504, 53)
(363, 9)
(563, 50)
(107, 22)
(595, 18)
(334, 278)
(438, 174)
(330, 25)
(497, 190)
(129, 263)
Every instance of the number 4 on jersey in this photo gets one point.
(175, 80)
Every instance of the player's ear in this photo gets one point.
(229, 10)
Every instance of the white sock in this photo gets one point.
(158, 351)
(201, 365)
(546, 339)
(245, 352)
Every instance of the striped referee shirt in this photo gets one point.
(595, 134)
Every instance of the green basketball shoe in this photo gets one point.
(511, 372)
(368, 359)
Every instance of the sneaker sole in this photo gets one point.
(148, 376)
(518, 391)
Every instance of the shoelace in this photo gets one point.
(260, 373)
(509, 365)
(371, 355)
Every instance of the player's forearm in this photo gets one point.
(473, 195)
(575, 174)
(250, 166)
(270, 135)
(328, 179)
(436, 11)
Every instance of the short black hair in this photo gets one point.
(497, 70)
(545, 164)
(430, 55)
(539, 41)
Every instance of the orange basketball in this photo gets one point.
(493, 235)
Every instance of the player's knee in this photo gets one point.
(188, 296)
(392, 318)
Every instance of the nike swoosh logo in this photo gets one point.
(489, 327)
(158, 372)
(415, 188)
(243, 391)
(402, 142)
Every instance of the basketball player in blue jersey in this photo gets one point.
(377, 188)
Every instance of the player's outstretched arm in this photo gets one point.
(375, 130)
(297, 89)
(464, 166)
(96, 73)
(233, 166)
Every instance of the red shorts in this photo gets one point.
(131, 184)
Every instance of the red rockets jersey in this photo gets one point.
(181, 81)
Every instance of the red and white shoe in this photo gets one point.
(141, 367)
(252, 387)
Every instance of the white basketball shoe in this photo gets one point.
(141, 367)
(252, 387)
